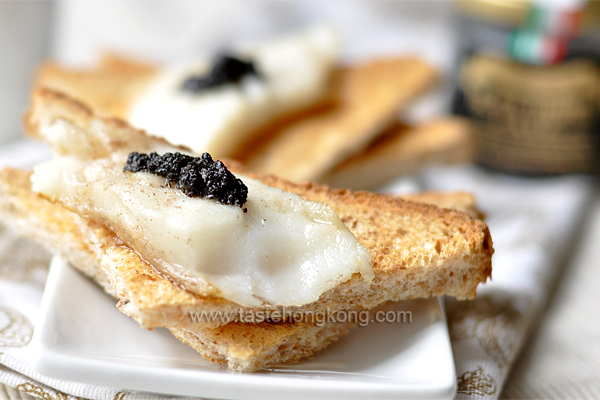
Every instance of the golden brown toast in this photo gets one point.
(109, 88)
(369, 98)
(404, 150)
(243, 347)
(361, 102)
(441, 251)
(417, 250)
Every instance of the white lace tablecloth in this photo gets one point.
(533, 223)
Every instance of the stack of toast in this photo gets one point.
(419, 245)
(349, 137)
(418, 250)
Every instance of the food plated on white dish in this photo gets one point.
(82, 337)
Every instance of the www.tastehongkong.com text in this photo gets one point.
(318, 318)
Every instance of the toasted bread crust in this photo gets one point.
(361, 101)
(109, 88)
(262, 345)
(418, 250)
(403, 150)
(242, 347)
(460, 201)
(393, 230)
(369, 97)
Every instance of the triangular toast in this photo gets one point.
(403, 150)
(442, 251)
(362, 100)
(417, 250)
(243, 347)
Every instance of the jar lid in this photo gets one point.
(515, 12)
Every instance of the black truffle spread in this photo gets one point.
(227, 69)
(194, 176)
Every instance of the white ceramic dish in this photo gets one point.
(82, 337)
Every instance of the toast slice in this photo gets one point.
(359, 104)
(404, 150)
(417, 250)
(109, 88)
(369, 98)
(240, 346)
(218, 104)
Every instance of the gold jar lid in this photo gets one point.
(515, 12)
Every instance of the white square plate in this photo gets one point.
(82, 337)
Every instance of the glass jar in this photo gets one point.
(540, 114)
